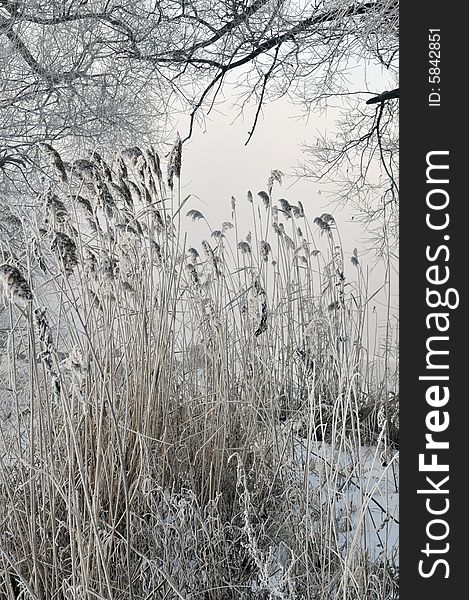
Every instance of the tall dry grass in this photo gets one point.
(163, 403)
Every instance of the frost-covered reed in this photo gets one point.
(161, 389)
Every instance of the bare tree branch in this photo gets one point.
(384, 96)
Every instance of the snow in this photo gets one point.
(362, 491)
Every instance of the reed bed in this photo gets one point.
(165, 405)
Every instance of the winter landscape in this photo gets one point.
(198, 398)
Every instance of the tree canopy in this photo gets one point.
(89, 68)
(88, 74)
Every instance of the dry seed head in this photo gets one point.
(146, 195)
(328, 218)
(286, 207)
(55, 209)
(275, 176)
(36, 249)
(140, 166)
(208, 250)
(213, 260)
(265, 250)
(244, 247)
(84, 203)
(102, 165)
(134, 191)
(259, 290)
(121, 194)
(323, 225)
(66, 250)
(105, 199)
(54, 160)
(90, 262)
(319, 222)
(15, 284)
(153, 161)
(109, 267)
(86, 170)
(211, 314)
(125, 190)
(48, 352)
(264, 196)
(296, 211)
(160, 226)
(119, 167)
(175, 161)
(193, 275)
(193, 252)
(7, 217)
(43, 327)
(382, 417)
(257, 307)
(263, 321)
(132, 154)
(195, 215)
(158, 253)
(149, 180)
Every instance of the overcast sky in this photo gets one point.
(218, 165)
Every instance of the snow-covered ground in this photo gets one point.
(362, 492)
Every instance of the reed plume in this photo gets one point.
(15, 284)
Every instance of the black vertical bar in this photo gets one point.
(434, 249)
